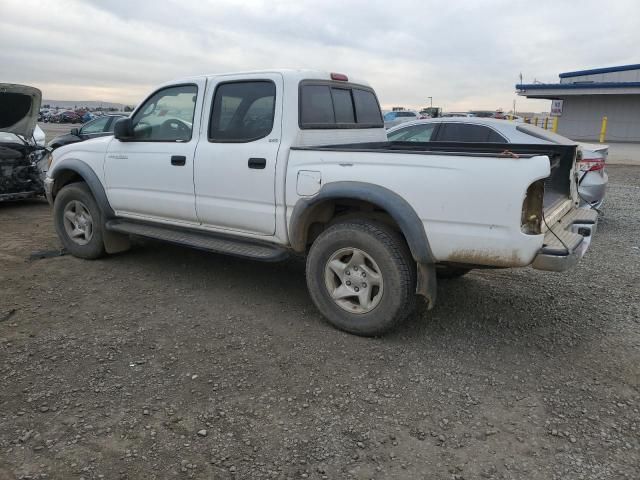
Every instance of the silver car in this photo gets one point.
(593, 178)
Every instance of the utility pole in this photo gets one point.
(430, 102)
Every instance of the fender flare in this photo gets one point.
(404, 215)
(91, 179)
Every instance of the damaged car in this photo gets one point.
(23, 157)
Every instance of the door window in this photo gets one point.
(95, 126)
(464, 132)
(416, 133)
(167, 116)
(242, 111)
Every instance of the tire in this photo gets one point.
(81, 235)
(447, 272)
(353, 251)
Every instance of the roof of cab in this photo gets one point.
(291, 75)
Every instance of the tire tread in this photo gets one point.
(397, 248)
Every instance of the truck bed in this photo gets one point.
(469, 196)
(557, 187)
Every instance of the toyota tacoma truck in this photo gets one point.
(268, 164)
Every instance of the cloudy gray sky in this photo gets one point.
(465, 54)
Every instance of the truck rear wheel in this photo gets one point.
(361, 276)
(78, 221)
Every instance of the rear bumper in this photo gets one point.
(592, 189)
(566, 241)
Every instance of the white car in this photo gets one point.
(592, 180)
(22, 151)
(267, 164)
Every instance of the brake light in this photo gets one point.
(341, 77)
(591, 164)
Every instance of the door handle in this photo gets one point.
(257, 163)
(178, 160)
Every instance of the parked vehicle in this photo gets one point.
(266, 164)
(22, 161)
(392, 119)
(87, 117)
(592, 180)
(99, 127)
(69, 117)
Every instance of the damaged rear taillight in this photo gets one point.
(532, 209)
(591, 164)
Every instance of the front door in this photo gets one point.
(235, 163)
(151, 176)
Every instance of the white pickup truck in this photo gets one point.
(268, 164)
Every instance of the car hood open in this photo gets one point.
(19, 107)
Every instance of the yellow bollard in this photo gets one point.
(603, 129)
(535, 121)
(546, 122)
(554, 125)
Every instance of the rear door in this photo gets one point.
(235, 162)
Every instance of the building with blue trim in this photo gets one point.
(589, 95)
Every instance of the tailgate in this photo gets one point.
(567, 240)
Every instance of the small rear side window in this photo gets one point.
(333, 105)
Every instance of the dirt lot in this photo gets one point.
(170, 363)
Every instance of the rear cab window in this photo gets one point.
(327, 104)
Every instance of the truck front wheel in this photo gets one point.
(361, 276)
(78, 221)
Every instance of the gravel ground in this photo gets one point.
(171, 363)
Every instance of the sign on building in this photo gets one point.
(556, 108)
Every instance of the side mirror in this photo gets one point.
(123, 129)
(75, 131)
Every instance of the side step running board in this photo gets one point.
(202, 240)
